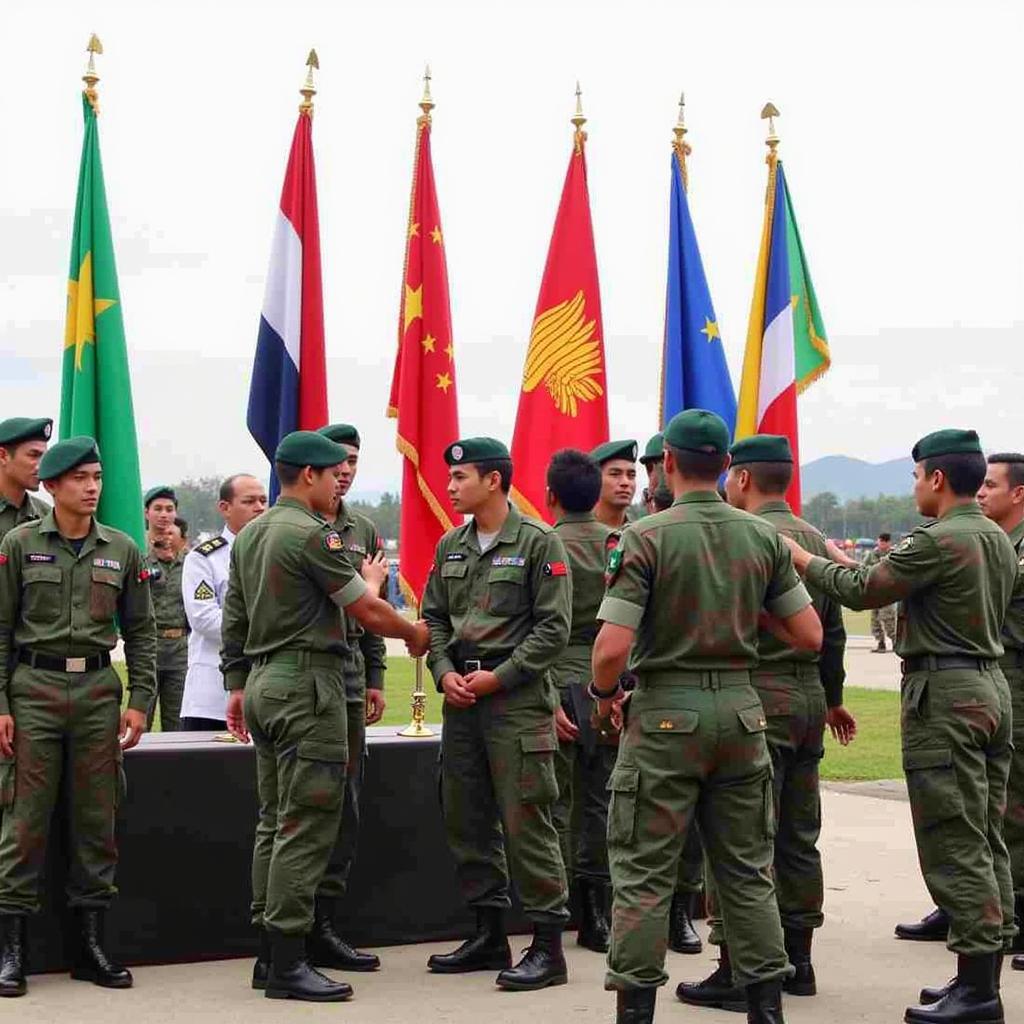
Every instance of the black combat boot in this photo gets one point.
(972, 999)
(682, 936)
(593, 933)
(91, 962)
(929, 995)
(261, 969)
(635, 1005)
(543, 963)
(717, 990)
(326, 948)
(764, 1002)
(12, 955)
(1018, 916)
(487, 950)
(292, 977)
(1017, 963)
(933, 927)
(798, 949)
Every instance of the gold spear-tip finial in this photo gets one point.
(309, 90)
(768, 113)
(90, 77)
(681, 146)
(577, 119)
(427, 102)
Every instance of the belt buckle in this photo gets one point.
(74, 664)
(472, 665)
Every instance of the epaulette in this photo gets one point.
(537, 524)
(208, 547)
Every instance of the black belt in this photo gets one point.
(468, 665)
(938, 662)
(52, 663)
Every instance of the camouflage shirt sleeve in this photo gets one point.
(630, 579)
(10, 600)
(138, 628)
(913, 564)
(785, 595)
(330, 569)
(234, 630)
(375, 651)
(436, 615)
(551, 587)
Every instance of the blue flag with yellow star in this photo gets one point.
(694, 373)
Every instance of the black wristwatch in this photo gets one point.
(597, 694)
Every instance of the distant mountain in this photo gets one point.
(850, 478)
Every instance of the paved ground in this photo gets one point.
(864, 974)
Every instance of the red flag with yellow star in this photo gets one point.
(423, 397)
(564, 400)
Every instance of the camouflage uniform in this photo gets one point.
(508, 608)
(171, 637)
(883, 620)
(14, 515)
(795, 688)
(694, 742)
(57, 605)
(285, 643)
(363, 668)
(954, 579)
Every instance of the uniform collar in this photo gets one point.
(508, 533)
(968, 508)
(577, 517)
(1016, 535)
(6, 503)
(228, 535)
(697, 497)
(774, 505)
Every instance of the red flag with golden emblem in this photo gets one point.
(423, 398)
(564, 397)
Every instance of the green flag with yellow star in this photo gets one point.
(96, 389)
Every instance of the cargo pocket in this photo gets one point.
(120, 779)
(752, 718)
(623, 786)
(932, 786)
(667, 722)
(506, 590)
(6, 782)
(41, 591)
(318, 780)
(103, 594)
(454, 576)
(537, 782)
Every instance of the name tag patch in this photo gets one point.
(509, 560)
(455, 556)
(356, 549)
(37, 556)
(106, 563)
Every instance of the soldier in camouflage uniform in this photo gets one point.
(498, 602)
(165, 566)
(586, 751)
(284, 645)
(883, 620)
(955, 578)
(22, 443)
(67, 583)
(363, 671)
(694, 739)
(800, 692)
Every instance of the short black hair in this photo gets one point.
(1014, 463)
(227, 488)
(965, 471)
(703, 466)
(286, 473)
(501, 466)
(885, 536)
(574, 478)
(181, 524)
(770, 477)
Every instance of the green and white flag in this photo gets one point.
(96, 388)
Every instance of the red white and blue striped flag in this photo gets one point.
(289, 375)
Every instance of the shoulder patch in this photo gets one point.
(614, 565)
(332, 542)
(906, 544)
(39, 556)
(145, 574)
(611, 542)
(208, 547)
(204, 592)
(3, 558)
(555, 569)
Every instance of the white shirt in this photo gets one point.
(204, 584)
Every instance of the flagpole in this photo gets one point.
(416, 728)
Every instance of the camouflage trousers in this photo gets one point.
(295, 711)
(1013, 824)
(956, 726)
(883, 623)
(794, 706)
(693, 748)
(171, 669)
(497, 788)
(65, 726)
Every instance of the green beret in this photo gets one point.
(66, 455)
(655, 450)
(614, 450)
(698, 430)
(761, 448)
(341, 433)
(947, 442)
(308, 448)
(160, 491)
(475, 449)
(21, 428)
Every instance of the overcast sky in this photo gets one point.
(900, 134)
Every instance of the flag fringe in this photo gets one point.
(410, 452)
(524, 504)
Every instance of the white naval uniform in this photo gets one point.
(204, 583)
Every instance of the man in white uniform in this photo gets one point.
(204, 582)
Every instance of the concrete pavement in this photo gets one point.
(864, 974)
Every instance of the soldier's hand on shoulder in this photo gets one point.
(7, 735)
